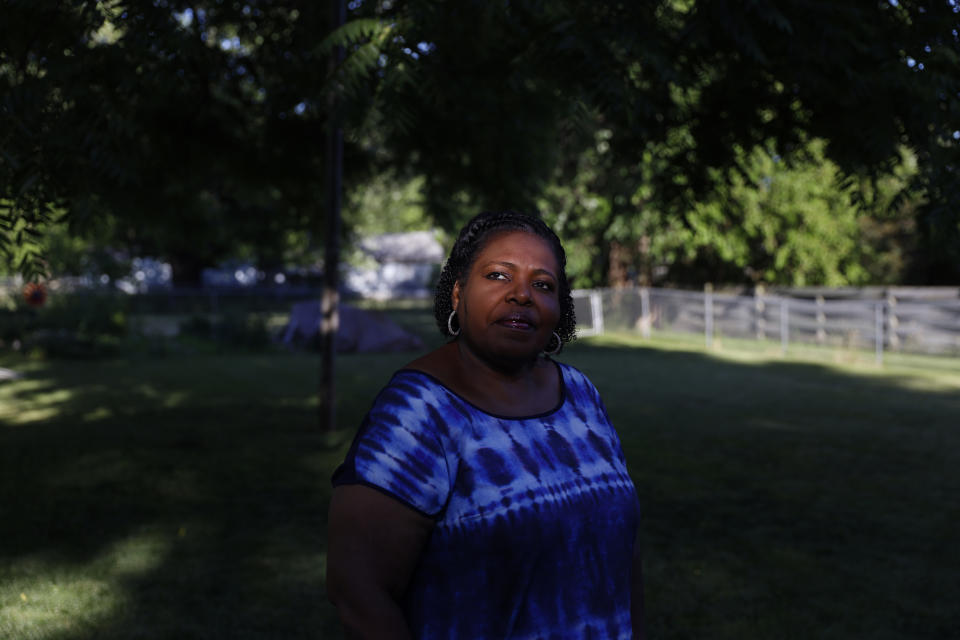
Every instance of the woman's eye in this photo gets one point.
(546, 286)
(496, 275)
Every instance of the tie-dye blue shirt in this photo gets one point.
(535, 516)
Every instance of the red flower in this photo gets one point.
(35, 294)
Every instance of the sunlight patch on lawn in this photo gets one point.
(100, 413)
(26, 401)
(930, 382)
(909, 371)
(51, 606)
(46, 598)
(276, 559)
(25, 416)
(299, 402)
(149, 391)
(137, 555)
(174, 399)
(34, 387)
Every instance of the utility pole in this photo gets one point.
(330, 318)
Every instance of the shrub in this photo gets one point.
(87, 315)
(68, 325)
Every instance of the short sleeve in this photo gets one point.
(591, 396)
(398, 449)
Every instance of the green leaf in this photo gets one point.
(350, 32)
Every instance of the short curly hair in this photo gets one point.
(472, 239)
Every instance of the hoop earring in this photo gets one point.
(450, 324)
(556, 350)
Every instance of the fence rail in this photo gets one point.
(904, 319)
(922, 323)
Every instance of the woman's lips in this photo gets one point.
(518, 323)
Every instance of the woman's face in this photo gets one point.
(508, 305)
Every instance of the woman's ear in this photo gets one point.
(455, 296)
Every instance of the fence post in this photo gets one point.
(596, 312)
(878, 331)
(645, 319)
(784, 325)
(893, 322)
(821, 321)
(708, 314)
(759, 308)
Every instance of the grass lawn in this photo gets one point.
(185, 496)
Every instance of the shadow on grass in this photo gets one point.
(789, 500)
(188, 494)
(187, 497)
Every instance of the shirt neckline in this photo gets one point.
(555, 409)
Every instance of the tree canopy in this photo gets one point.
(663, 104)
(181, 120)
(199, 125)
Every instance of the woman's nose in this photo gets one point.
(519, 292)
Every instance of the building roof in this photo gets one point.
(412, 246)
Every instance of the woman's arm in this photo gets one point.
(374, 543)
(636, 592)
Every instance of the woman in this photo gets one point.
(486, 494)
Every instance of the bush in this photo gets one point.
(69, 325)
(87, 315)
(15, 325)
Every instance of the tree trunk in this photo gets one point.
(618, 265)
(187, 270)
(329, 305)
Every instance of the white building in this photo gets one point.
(405, 266)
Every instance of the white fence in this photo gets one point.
(908, 320)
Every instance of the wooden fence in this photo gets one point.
(907, 319)
(916, 320)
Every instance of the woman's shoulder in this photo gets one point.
(579, 389)
(408, 382)
(421, 385)
(436, 364)
(573, 375)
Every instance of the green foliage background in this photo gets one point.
(672, 141)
